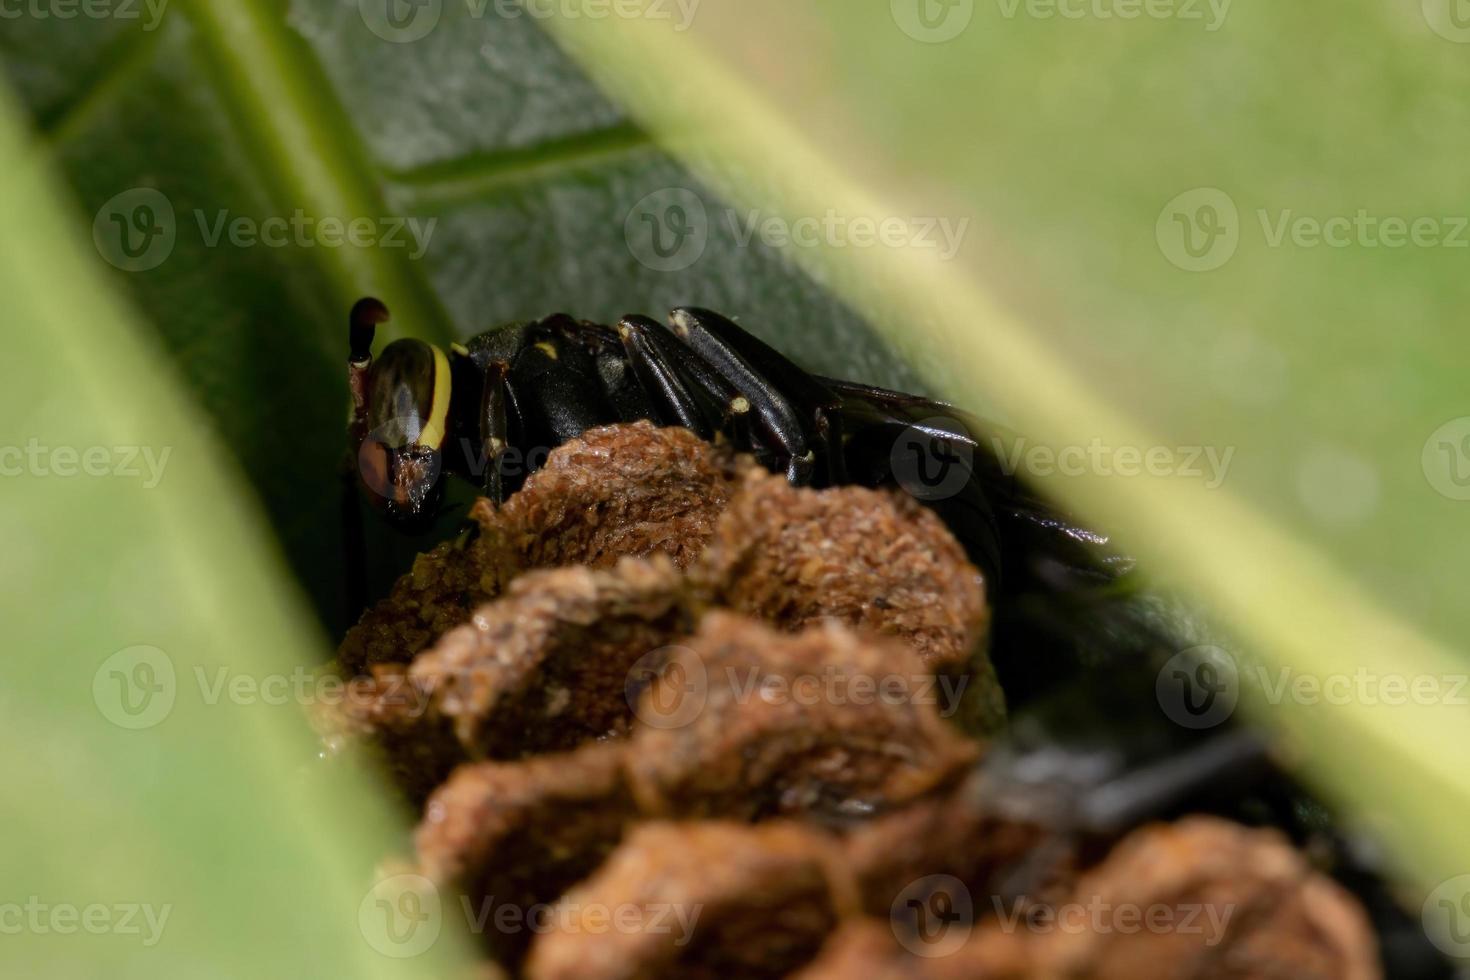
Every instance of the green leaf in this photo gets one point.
(167, 812)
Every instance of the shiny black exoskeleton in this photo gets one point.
(490, 409)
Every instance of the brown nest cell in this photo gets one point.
(623, 490)
(696, 900)
(547, 667)
(388, 715)
(747, 722)
(618, 491)
(507, 838)
(873, 559)
(543, 669)
(1207, 898)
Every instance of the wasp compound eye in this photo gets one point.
(409, 394)
(403, 478)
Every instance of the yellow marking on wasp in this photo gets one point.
(548, 347)
(460, 349)
(431, 436)
(739, 405)
(624, 331)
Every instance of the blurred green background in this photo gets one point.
(1131, 192)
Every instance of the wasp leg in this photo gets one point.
(495, 415)
(1229, 760)
(897, 400)
(1046, 550)
(789, 406)
(1098, 759)
(691, 393)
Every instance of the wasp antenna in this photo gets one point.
(363, 322)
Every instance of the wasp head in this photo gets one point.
(401, 456)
